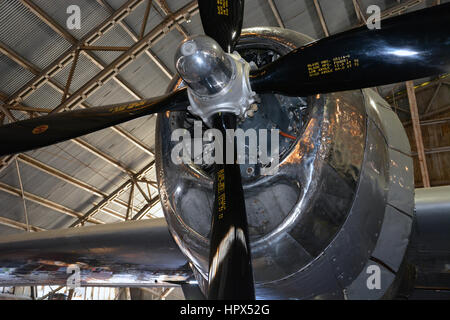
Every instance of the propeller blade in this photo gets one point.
(407, 47)
(230, 267)
(222, 21)
(43, 131)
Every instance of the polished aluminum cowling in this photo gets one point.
(342, 199)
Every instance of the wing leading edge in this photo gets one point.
(134, 253)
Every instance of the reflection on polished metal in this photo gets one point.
(217, 81)
(430, 241)
(203, 65)
(134, 253)
(335, 186)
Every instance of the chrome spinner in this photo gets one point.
(217, 81)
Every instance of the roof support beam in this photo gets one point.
(85, 146)
(20, 107)
(41, 14)
(18, 225)
(321, 18)
(6, 161)
(71, 180)
(44, 202)
(25, 211)
(359, 13)
(434, 150)
(127, 57)
(104, 48)
(166, 10)
(436, 91)
(165, 293)
(434, 121)
(145, 209)
(146, 197)
(64, 90)
(154, 184)
(396, 10)
(276, 13)
(399, 9)
(17, 59)
(420, 87)
(135, 141)
(65, 58)
(136, 38)
(70, 77)
(6, 112)
(130, 202)
(50, 293)
(423, 116)
(102, 155)
(63, 61)
(116, 193)
(144, 21)
(418, 133)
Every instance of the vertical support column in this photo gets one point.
(130, 202)
(417, 133)
(276, 13)
(25, 211)
(321, 18)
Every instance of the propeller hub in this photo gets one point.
(203, 65)
(217, 81)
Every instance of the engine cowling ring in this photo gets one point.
(340, 174)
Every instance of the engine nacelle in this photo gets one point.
(335, 220)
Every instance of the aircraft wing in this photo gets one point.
(429, 249)
(133, 253)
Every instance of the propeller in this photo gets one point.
(407, 47)
(410, 46)
(222, 21)
(56, 127)
(230, 265)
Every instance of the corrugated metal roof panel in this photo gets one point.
(301, 16)
(338, 15)
(145, 77)
(118, 37)
(165, 49)
(194, 27)
(175, 5)
(6, 230)
(74, 160)
(44, 97)
(258, 13)
(36, 41)
(92, 14)
(136, 18)
(84, 71)
(12, 76)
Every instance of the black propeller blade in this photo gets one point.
(409, 46)
(230, 268)
(43, 131)
(222, 21)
